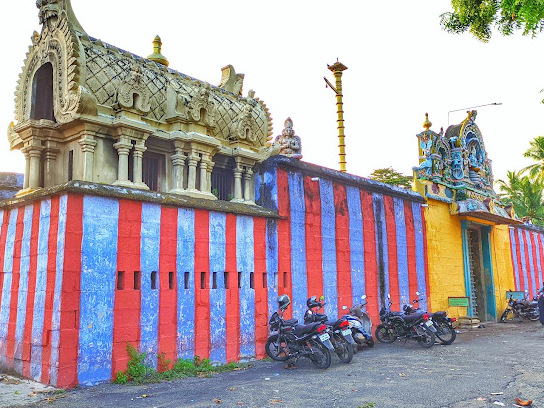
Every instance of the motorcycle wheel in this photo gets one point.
(385, 334)
(343, 349)
(445, 333)
(319, 354)
(427, 339)
(277, 348)
(533, 317)
(370, 342)
(505, 315)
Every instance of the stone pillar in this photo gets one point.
(238, 183)
(87, 143)
(27, 168)
(191, 178)
(139, 149)
(123, 147)
(178, 163)
(209, 170)
(35, 166)
(50, 158)
(204, 173)
(247, 184)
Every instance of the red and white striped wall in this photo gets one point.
(527, 258)
(83, 275)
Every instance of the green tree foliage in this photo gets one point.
(508, 16)
(536, 152)
(525, 193)
(391, 176)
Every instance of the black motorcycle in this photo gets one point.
(445, 332)
(523, 309)
(397, 325)
(341, 337)
(292, 340)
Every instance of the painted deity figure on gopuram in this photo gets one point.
(289, 143)
(454, 168)
(457, 157)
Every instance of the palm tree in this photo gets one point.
(536, 152)
(525, 193)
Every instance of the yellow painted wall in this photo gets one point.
(445, 260)
(503, 270)
(445, 257)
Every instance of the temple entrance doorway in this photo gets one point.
(479, 271)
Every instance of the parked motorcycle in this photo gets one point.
(523, 309)
(443, 324)
(360, 324)
(396, 325)
(341, 336)
(292, 340)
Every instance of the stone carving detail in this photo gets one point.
(289, 143)
(59, 45)
(244, 127)
(133, 93)
(458, 157)
(231, 81)
(202, 107)
(177, 104)
(49, 9)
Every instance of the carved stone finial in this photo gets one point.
(427, 124)
(231, 81)
(157, 56)
(50, 11)
(289, 143)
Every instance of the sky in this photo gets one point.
(400, 66)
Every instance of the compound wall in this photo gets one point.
(527, 254)
(83, 274)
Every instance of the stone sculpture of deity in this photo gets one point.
(289, 142)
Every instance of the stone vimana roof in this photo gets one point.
(90, 76)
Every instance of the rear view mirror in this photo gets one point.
(363, 297)
(344, 307)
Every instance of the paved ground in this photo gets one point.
(500, 358)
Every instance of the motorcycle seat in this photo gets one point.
(413, 317)
(439, 315)
(290, 322)
(302, 329)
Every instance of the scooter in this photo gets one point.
(360, 324)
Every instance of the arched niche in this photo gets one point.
(42, 94)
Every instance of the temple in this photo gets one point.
(160, 211)
(86, 110)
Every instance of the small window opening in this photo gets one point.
(285, 280)
(186, 280)
(136, 280)
(239, 279)
(70, 165)
(214, 280)
(265, 281)
(120, 280)
(153, 280)
(170, 280)
(251, 280)
(226, 279)
(202, 280)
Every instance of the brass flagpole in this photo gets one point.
(337, 69)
